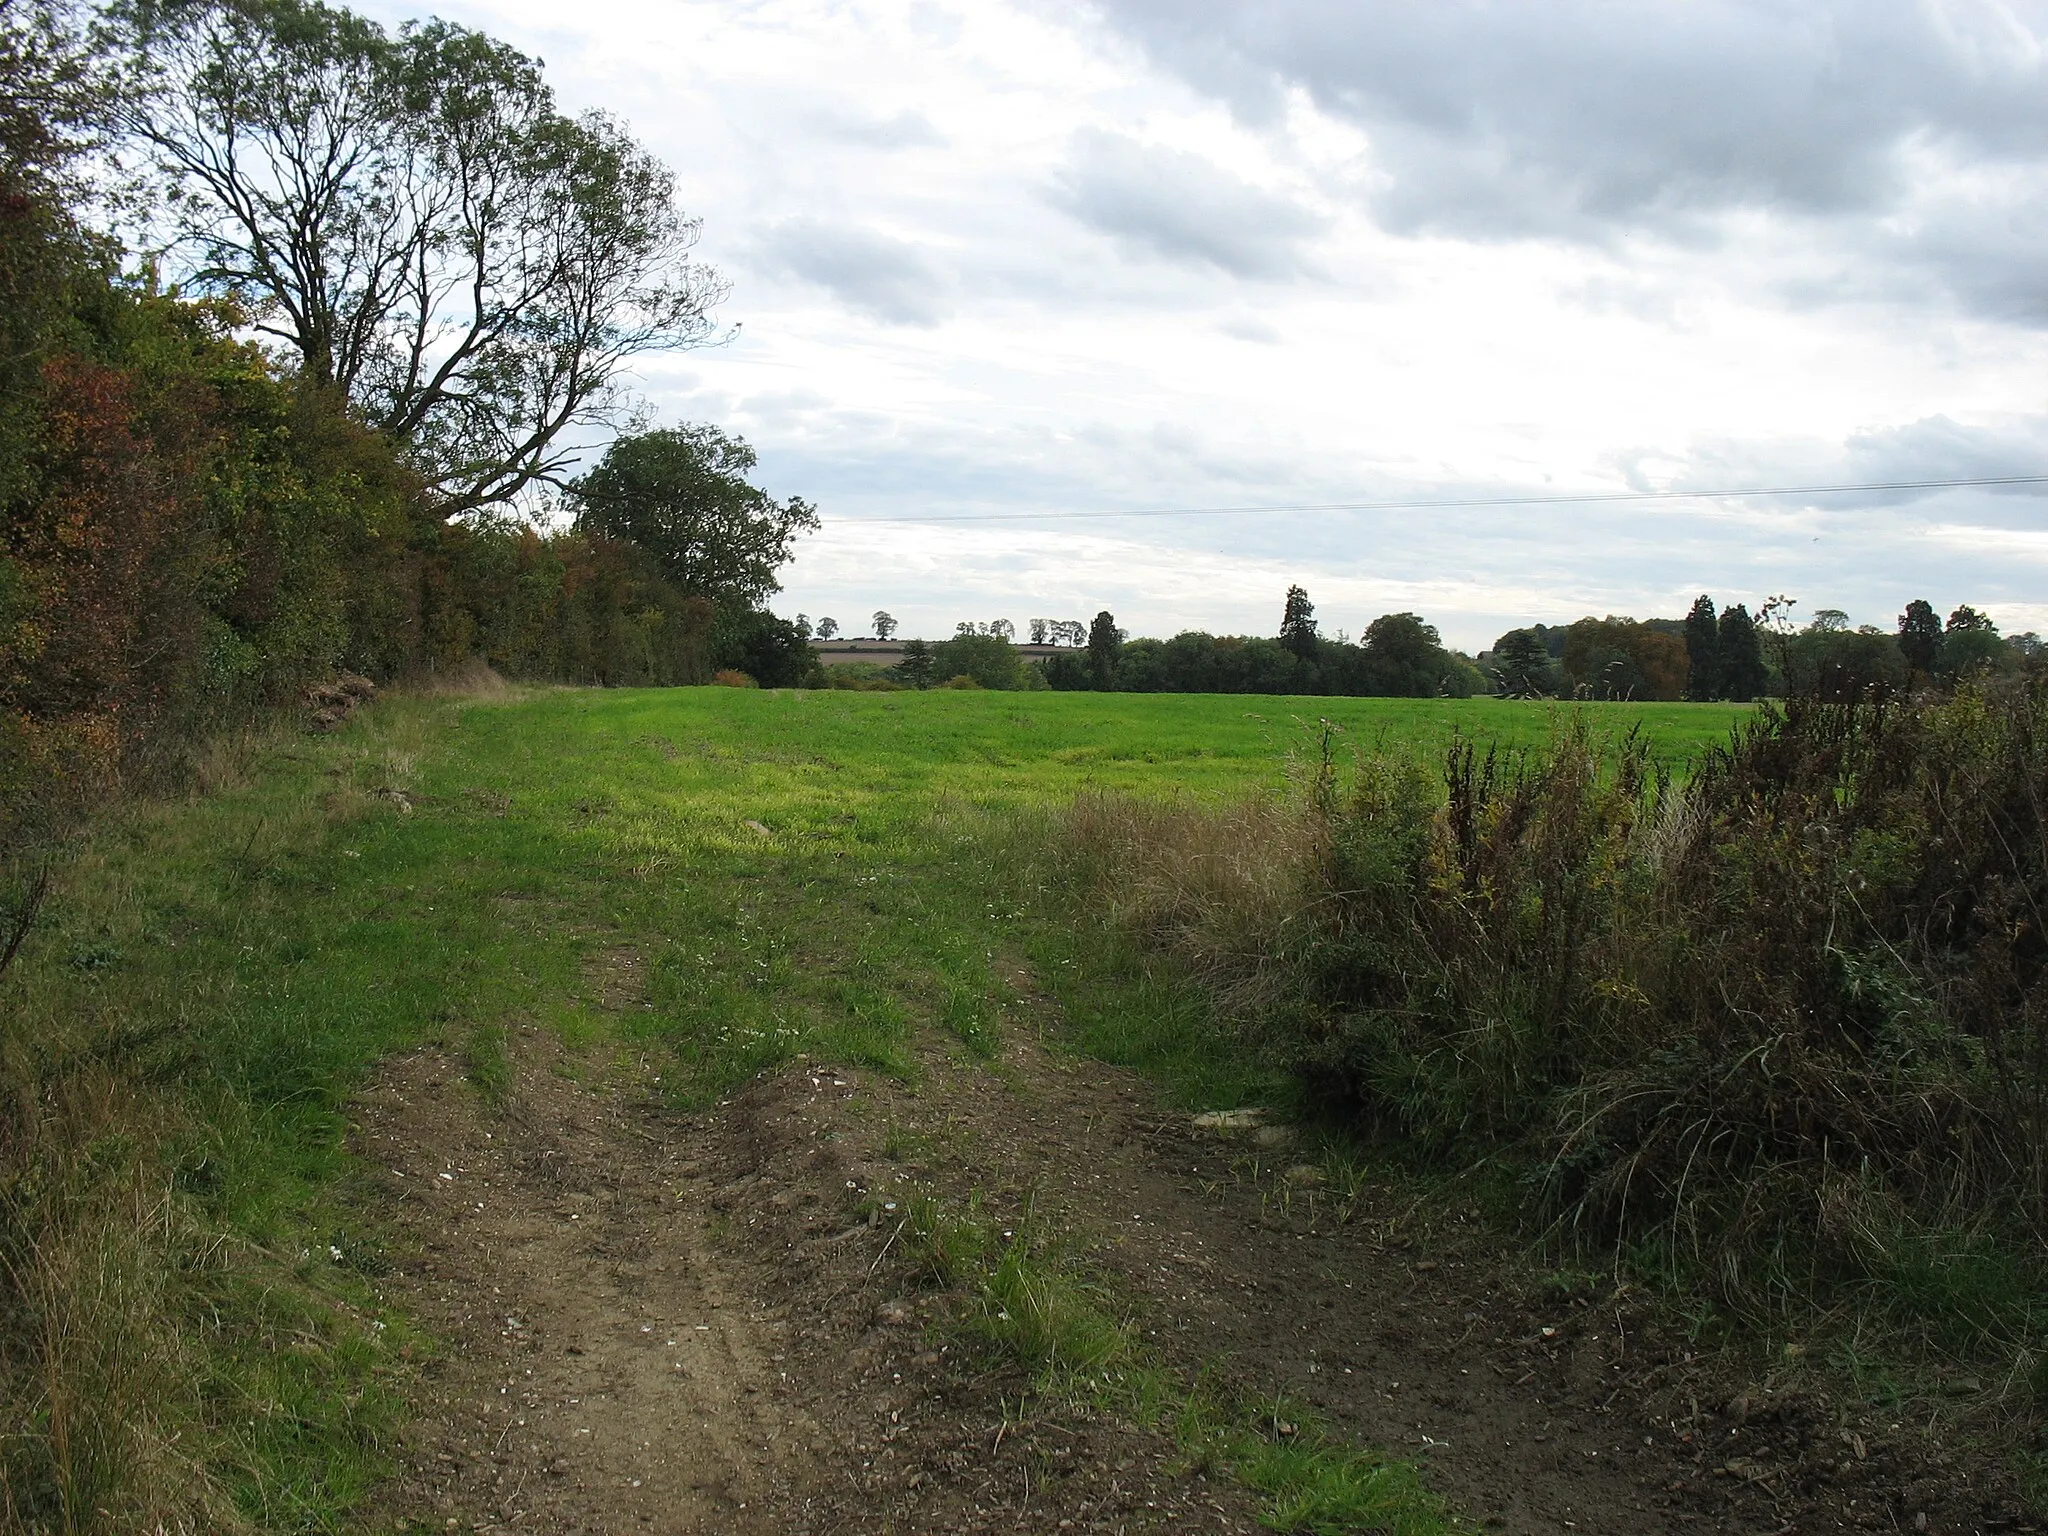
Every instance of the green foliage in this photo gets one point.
(1920, 636)
(1522, 667)
(1105, 642)
(991, 660)
(415, 220)
(1401, 657)
(1617, 658)
(1842, 664)
(188, 535)
(1740, 655)
(682, 495)
(1702, 650)
(1298, 625)
(1970, 646)
(1781, 1028)
(918, 666)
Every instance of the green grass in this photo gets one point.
(719, 878)
(1027, 1299)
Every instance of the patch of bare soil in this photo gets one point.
(655, 1322)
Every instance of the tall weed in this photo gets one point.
(1782, 1026)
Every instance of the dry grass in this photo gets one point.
(98, 1406)
(470, 678)
(1224, 889)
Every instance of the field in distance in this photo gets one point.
(1037, 747)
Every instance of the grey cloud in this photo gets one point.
(905, 130)
(1499, 119)
(1251, 328)
(1932, 448)
(1181, 207)
(874, 273)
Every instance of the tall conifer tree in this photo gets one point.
(1741, 655)
(1702, 650)
(1920, 635)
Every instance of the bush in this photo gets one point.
(1785, 1024)
(963, 681)
(989, 659)
(728, 678)
(860, 677)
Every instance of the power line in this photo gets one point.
(1466, 503)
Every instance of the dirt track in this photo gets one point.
(677, 1324)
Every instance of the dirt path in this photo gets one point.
(678, 1324)
(602, 1364)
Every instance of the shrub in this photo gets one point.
(728, 678)
(860, 677)
(962, 681)
(1784, 1024)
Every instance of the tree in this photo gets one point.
(1068, 632)
(803, 625)
(766, 648)
(1105, 642)
(414, 220)
(885, 624)
(1741, 654)
(1920, 635)
(1298, 624)
(1971, 643)
(1521, 665)
(1702, 650)
(1774, 628)
(1828, 621)
(989, 659)
(681, 493)
(827, 628)
(916, 666)
(1038, 630)
(1844, 665)
(1002, 627)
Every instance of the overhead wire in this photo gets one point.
(1465, 503)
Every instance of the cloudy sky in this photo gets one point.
(996, 261)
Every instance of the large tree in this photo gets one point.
(1521, 665)
(682, 495)
(1970, 644)
(1298, 624)
(1743, 673)
(411, 218)
(1920, 635)
(1105, 645)
(1702, 650)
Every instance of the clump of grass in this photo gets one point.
(1315, 1481)
(1031, 1302)
(1224, 888)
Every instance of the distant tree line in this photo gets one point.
(1713, 653)
(407, 284)
(1729, 654)
(1400, 655)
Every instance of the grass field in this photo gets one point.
(794, 871)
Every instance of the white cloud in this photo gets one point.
(996, 257)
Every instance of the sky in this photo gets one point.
(995, 264)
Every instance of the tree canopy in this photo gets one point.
(410, 217)
(682, 494)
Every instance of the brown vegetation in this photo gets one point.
(1780, 1030)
